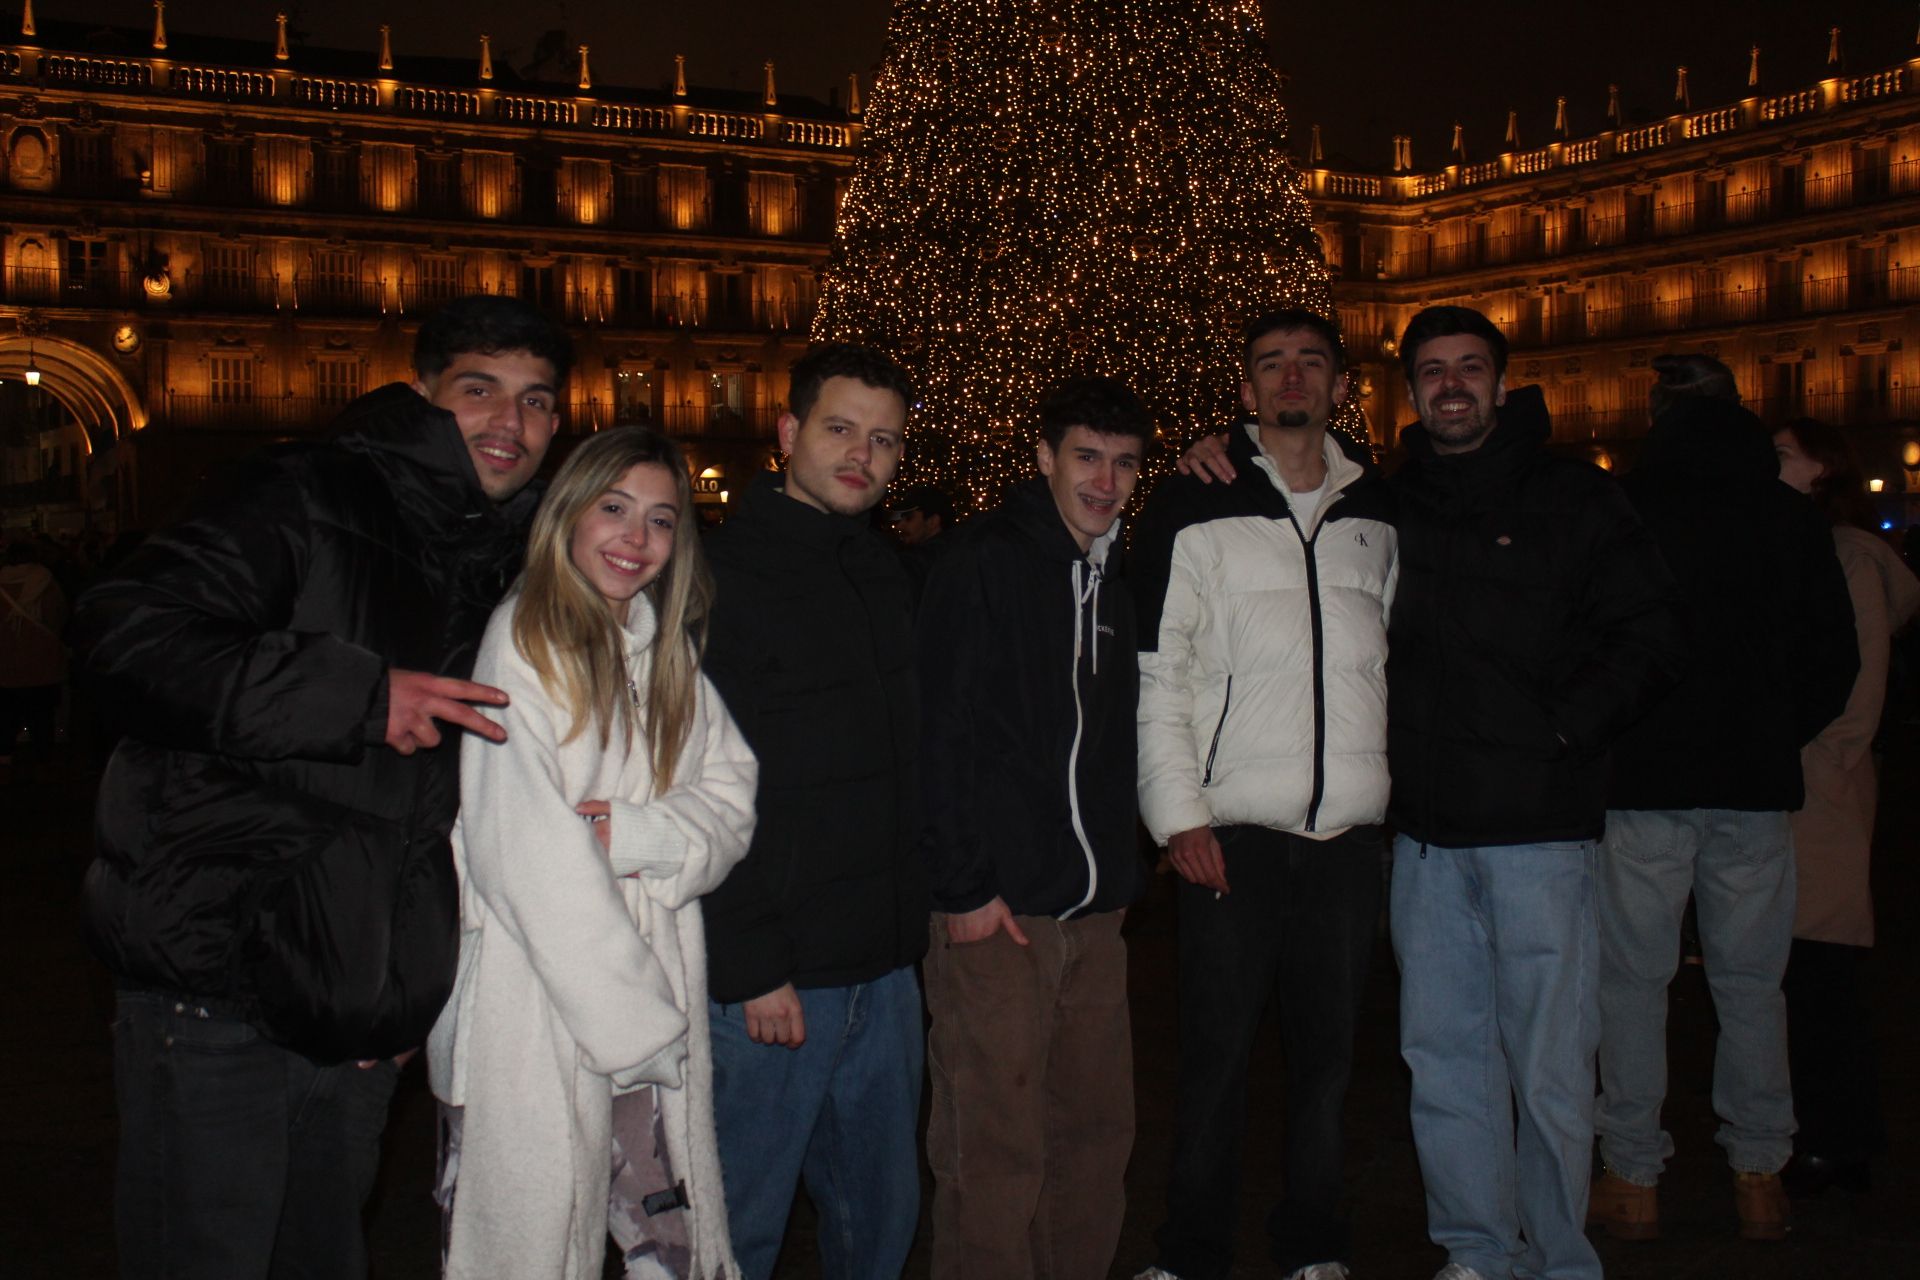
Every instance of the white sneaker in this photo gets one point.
(1320, 1271)
(1455, 1271)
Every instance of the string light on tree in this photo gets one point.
(1052, 187)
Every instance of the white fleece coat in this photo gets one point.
(581, 975)
(1241, 719)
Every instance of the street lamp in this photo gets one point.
(33, 370)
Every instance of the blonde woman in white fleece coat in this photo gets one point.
(572, 1062)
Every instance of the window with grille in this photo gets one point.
(683, 196)
(86, 264)
(336, 177)
(229, 169)
(88, 163)
(633, 294)
(335, 273)
(537, 285)
(336, 379)
(773, 203)
(230, 378)
(439, 278)
(439, 181)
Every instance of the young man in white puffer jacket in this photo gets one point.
(1263, 769)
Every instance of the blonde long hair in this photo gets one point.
(565, 630)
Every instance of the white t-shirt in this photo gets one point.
(1307, 505)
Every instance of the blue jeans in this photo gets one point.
(842, 1111)
(1739, 866)
(238, 1159)
(1499, 1015)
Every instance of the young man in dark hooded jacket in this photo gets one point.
(1028, 683)
(1701, 792)
(274, 890)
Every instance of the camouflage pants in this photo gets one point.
(647, 1206)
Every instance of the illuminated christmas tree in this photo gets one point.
(1050, 187)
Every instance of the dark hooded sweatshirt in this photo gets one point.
(259, 847)
(1765, 608)
(1029, 681)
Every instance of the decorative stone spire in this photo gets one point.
(159, 24)
(386, 47)
(280, 53)
(486, 57)
(586, 76)
(1402, 153)
(1833, 47)
(773, 99)
(853, 93)
(679, 75)
(1681, 98)
(1613, 105)
(1459, 148)
(1315, 154)
(1513, 130)
(1560, 117)
(1753, 68)
(26, 20)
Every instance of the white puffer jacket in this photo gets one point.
(1263, 697)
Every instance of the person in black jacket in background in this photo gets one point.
(1535, 620)
(274, 889)
(816, 1016)
(1028, 681)
(1701, 792)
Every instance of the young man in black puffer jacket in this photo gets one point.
(1029, 681)
(274, 890)
(1535, 621)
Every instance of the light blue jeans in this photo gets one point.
(1739, 866)
(1499, 1017)
(842, 1111)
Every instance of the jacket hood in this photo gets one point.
(1030, 508)
(1708, 439)
(766, 500)
(419, 447)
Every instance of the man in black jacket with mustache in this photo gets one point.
(274, 890)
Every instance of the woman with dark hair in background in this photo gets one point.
(1835, 1090)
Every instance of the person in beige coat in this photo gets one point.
(573, 1061)
(1829, 1033)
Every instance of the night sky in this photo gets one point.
(1363, 69)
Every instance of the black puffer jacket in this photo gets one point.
(1765, 605)
(1535, 620)
(258, 845)
(811, 645)
(1029, 681)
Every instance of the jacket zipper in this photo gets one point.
(1213, 748)
(1308, 547)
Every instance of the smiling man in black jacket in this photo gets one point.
(1534, 622)
(1028, 681)
(274, 891)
